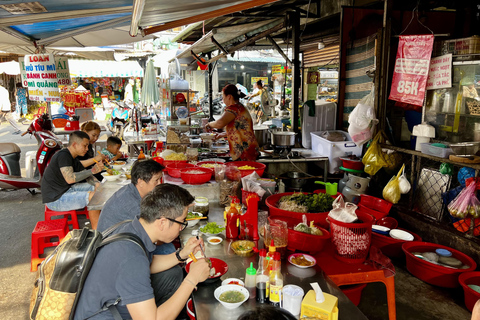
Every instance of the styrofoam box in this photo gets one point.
(334, 149)
(324, 119)
(427, 148)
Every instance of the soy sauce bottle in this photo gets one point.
(262, 278)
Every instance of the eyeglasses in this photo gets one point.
(184, 223)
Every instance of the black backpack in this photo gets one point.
(61, 276)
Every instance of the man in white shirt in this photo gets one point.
(5, 108)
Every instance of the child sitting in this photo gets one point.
(112, 151)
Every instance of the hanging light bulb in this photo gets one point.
(242, 66)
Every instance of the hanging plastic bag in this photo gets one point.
(362, 120)
(373, 158)
(403, 182)
(391, 192)
(343, 211)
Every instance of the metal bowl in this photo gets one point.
(465, 148)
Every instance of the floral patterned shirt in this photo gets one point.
(240, 135)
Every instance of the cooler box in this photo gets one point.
(334, 150)
(323, 120)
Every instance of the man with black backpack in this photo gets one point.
(121, 271)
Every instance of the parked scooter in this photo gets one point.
(119, 119)
(48, 145)
(218, 105)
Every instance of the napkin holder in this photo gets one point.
(326, 310)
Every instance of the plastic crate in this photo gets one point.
(334, 150)
(431, 150)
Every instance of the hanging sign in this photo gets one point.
(23, 72)
(42, 77)
(63, 71)
(255, 79)
(411, 69)
(440, 74)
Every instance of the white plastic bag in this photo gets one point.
(403, 183)
(362, 120)
(343, 211)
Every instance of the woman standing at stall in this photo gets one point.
(238, 126)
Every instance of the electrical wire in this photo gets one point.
(415, 10)
(306, 20)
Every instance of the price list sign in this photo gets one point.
(42, 77)
(411, 69)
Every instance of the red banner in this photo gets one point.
(411, 69)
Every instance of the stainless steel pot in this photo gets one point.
(261, 134)
(283, 138)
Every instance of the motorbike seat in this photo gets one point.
(8, 148)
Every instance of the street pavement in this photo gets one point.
(19, 212)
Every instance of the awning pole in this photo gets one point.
(210, 89)
(294, 18)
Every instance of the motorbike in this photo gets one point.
(218, 105)
(48, 145)
(119, 119)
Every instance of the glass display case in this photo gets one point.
(455, 112)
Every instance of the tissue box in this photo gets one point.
(327, 310)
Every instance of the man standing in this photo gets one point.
(6, 113)
(61, 187)
(121, 270)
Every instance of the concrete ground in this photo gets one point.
(19, 211)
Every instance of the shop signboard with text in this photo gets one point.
(440, 75)
(411, 69)
(42, 77)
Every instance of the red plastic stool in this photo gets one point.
(72, 213)
(41, 235)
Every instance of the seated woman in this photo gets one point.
(239, 127)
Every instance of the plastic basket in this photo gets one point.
(376, 204)
(351, 241)
(431, 150)
(471, 296)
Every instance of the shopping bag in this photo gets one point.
(392, 192)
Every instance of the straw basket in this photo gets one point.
(473, 106)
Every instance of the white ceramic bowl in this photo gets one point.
(110, 177)
(118, 166)
(212, 242)
(231, 287)
(401, 235)
(192, 223)
(226, 282)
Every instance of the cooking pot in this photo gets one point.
(283, 138)
(261, 134)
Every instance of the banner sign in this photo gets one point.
(23, 72)
(440, 75)
(42, 77)
(255, 79)
(63, 71)
(411, 69)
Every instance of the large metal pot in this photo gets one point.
(261, 134)
(283, 138)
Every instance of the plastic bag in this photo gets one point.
(466, 203)
(403, 182)
(343, 211)
(375, 158)
(362, 120)
(391, 192)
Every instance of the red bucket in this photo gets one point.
(471, 296)
(351, 241)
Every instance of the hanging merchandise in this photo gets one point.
(375, 158)
(403, 182)
(392, 192)
(362, 120)
(411, 69)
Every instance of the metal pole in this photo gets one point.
(294, 18)
(210, 89)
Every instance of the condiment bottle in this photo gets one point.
(141, 155)
(250, 285)
(262, 278)
(281, 187)
(276, 281)
(271, 252)
(231, 231)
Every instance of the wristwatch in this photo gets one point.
(177, 254)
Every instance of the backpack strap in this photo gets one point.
(124, 236)
(112, 306)
(109, 231)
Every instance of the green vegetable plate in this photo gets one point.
(211, 229)
(351, 170)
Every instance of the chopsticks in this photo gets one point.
(105, 158)
(191, 256)
(199, 218)
(201, 248)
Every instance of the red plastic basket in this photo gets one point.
(389, 246)
(376, 214)
(173, 169)
(351, 241)
(195, 178)
(376, 204)
(352, 164)
(259, 168)
(432, 273)
(471, 296)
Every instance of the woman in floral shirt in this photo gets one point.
(239, 126)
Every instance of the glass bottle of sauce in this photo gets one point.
(276, 281)
(141, 155)
(250, 285)
(231, 231)
(270, 255)
(262, 278)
